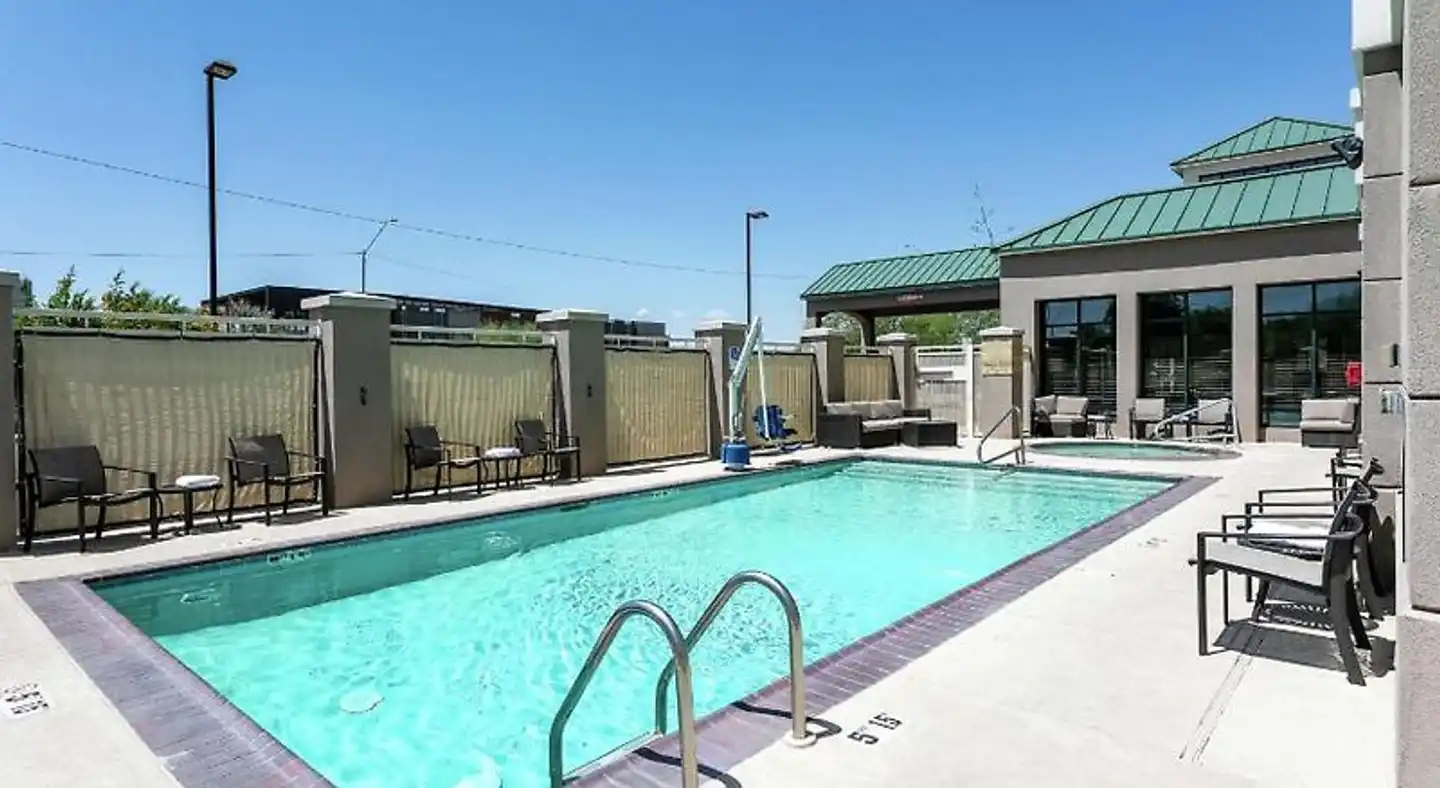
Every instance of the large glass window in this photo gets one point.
(1077, 354)
(1308, 334)
(1185, 347)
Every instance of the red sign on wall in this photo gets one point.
(1353, 374)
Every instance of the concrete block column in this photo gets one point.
(9, 504)
(722, 339)
(828, 345)
(1001, 382)
(356, 427)
(579, 337)
(901, 348)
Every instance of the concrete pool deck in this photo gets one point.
(1091, 679)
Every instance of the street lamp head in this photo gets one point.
(220, 69)
(757, 214)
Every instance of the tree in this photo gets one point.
(129, 296)
(68, 295)
(121, 296)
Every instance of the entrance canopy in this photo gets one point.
(962, 280)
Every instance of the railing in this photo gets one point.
(689, 767)
(864, 350)
(1184, 416)
(443, 335)
(781, 347)
(799, 735)
(148, 324)
(628, 342)
(1019, 451)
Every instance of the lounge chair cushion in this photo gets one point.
(1327, 415)
(886, 409)
(1045, 404)
(1070, 408)
(1278, 565)
(1149, 409)
(1212, 412)
(1273, 535)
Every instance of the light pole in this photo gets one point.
(751, 217)
(365, 253)
(218, 69)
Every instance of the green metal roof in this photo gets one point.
(1317, 194)
(929, 271)
(1273, 134)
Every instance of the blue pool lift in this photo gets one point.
(769, 419)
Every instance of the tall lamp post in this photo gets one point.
(365, 253)
(750, 218)
(218, 69)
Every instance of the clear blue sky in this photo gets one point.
(636, 129)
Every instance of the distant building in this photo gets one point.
(284, 302)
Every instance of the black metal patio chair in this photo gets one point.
(424, 448)
(533, 440)
(77, 475)
(265, 460)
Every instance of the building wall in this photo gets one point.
(1241, 261)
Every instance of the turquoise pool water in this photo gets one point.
(470, 635)
(1130, 450)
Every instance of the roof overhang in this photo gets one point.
(978, 294)
(1003, 252)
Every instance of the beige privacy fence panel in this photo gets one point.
(165, 404)
(790, 382)
(472, 394)
(658, 404)
(869, 378)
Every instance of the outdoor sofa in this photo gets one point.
(865, 425)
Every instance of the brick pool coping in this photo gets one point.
(207, 742)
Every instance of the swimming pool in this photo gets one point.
(1130, 450)
(468, 636)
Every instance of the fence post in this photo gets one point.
(358, 413)
(901, 349)
(9, 504)
(1000, 384)
(579, 337)
(720, 338)
(828, 345)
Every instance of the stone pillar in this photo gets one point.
(1001, 382)
(356, 432)
(1127, 359)
(722, 339)
(1382, 195)
(1418, 627)
(901, 348)
(9, 504)
(828, 345)
(579, 337)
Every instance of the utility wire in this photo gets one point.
(415, 228)
(161, 255)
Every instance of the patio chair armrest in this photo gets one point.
(45, 477)
(126, 469)
(567, 442)
(305, 455)
(245, 461)
(1296, 491)
(1294, 508)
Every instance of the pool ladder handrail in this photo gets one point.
(1018, 451)
(1186, 415)
(689, 767)
(799, 734)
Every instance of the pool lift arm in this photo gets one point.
(735, 452)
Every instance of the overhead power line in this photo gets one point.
(415, 228)
(159, 255)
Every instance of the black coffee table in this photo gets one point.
(932, 432)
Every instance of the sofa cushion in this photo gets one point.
(1045, 404)
(1341, 411)
(1149, 409)
(1212, 412)
(1067, 418)
(848, 408)
(881, 425)
(887, 409)
(1071, 406)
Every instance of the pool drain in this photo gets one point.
(360, 701)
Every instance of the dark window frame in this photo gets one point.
(1090, 375)
(1313, 315)
(1189, 334)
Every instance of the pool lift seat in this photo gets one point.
(679, 668)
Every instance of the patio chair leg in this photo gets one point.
(80, 512)
(439, 471)
(285, 502)
(1260, 596)
(322, 491)
(230, 502)
(1365, 571)
(154, 517)
(99, 521)
(266, 485)
(1352, 610)
(1344, 638)
(1201, 611)
(409, 479)
(1225, 597)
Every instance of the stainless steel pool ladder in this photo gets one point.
(679, 667)
(1018, 451)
